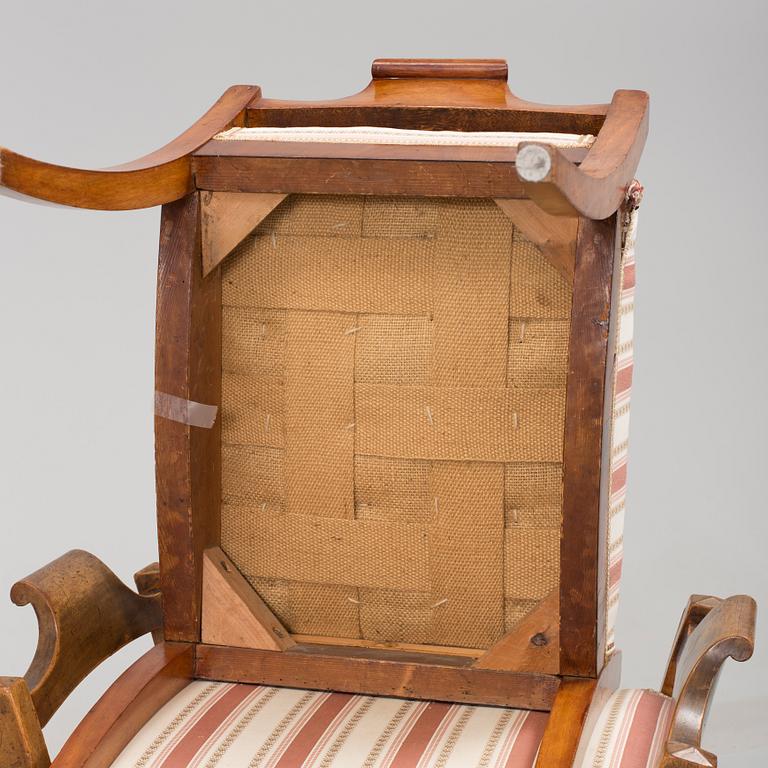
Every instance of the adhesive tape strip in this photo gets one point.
(185, 411)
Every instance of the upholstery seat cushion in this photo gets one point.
(225, 725)
(630, 731)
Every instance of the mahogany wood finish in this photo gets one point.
(711, 631)
(597, 187)
(188, 366)
(21, 738)
(432, 94)
(334, 176)
(485, 69)
(160, 177)
(566, 201)
(85, 614)
(233, 612)
(127, 706)
(586, 444)
(377, 672)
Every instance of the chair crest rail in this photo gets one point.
(437, 94)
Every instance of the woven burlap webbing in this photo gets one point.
(392, 418)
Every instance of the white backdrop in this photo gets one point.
(92, 84)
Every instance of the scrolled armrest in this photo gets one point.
(711, 631)
(85, 614)
(597, 187)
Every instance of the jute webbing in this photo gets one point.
(392, 418)
(470, 317)
(333, 274)
(463, 424)
(331, 551)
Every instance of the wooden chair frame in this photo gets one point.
(575, 215)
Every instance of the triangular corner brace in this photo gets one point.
(227, 217)
(233, 612)
(533, 645)
(554, 235)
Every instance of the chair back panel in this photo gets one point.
(393, 406)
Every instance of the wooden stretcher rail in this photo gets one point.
(331, 176)
(377, 672)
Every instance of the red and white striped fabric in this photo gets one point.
(622, 388)
(224, 725)
(227, 725)
(630, 731)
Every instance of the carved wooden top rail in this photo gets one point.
(448, 94)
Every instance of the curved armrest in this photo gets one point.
(85, 614)
(710, 631)
(160, 177)
(597, 187)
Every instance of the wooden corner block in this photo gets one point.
(233, 612)
(226, 218)
(554, 235)
(533, 645)
(21, 738)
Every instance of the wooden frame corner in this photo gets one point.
(228, 217)
(233, 612)
(533, 645)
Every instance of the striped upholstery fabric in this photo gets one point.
(630, 732)
(226, 725)
(222, 725)
(622, 387)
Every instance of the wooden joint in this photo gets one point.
(228, 217)
(233, 613)
(574, 715)
(555, 236)
(597, 187)
(533, 645)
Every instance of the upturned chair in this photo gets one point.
(393, 369)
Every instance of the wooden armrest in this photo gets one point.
(711, 630)
(85, 614)
(597, 187)
(160, 177)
